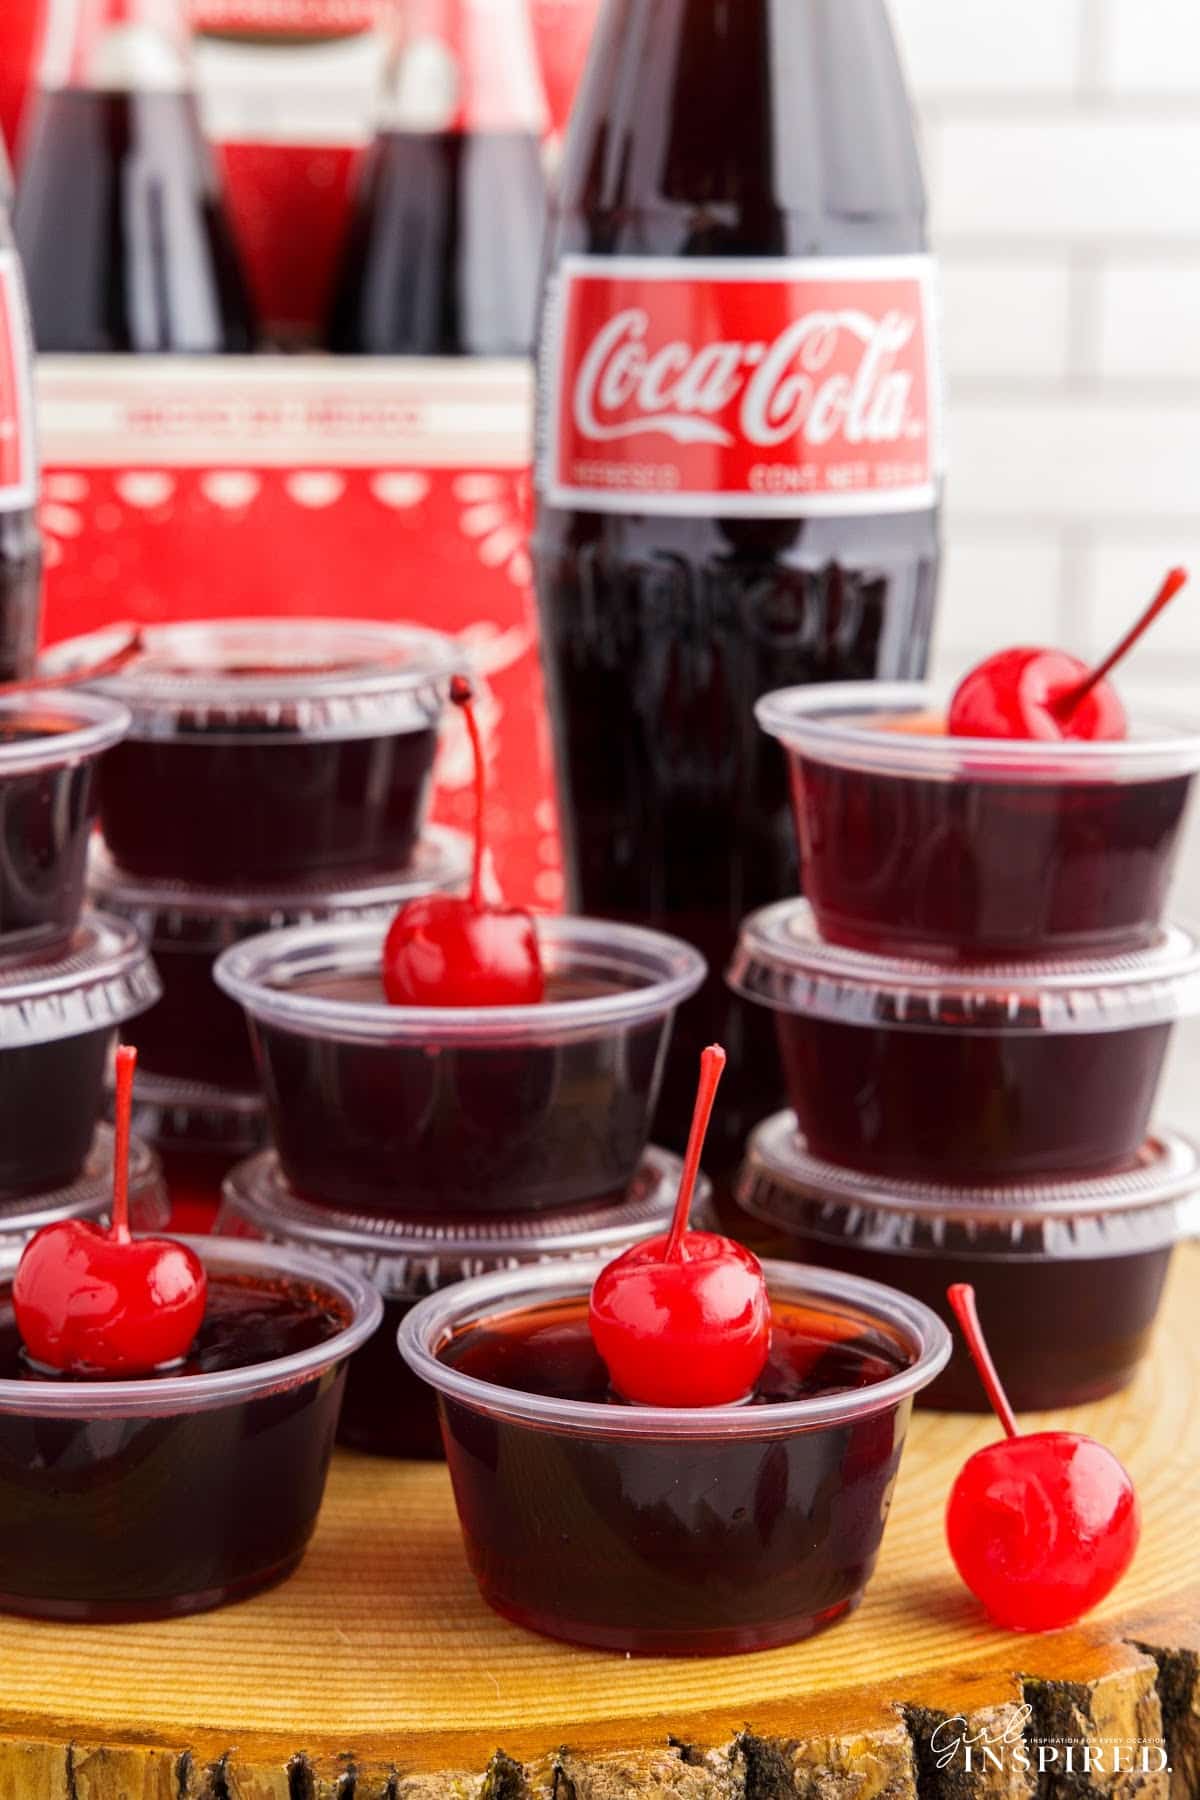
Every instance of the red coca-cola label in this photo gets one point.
(285, 18)
(18, 457)
(748, 387)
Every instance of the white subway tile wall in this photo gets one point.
(1062, 149)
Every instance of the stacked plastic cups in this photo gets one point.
(273, 772)
(973, 1004)
(263, 821)
(69, 980)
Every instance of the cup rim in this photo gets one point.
(245, 972)
(171, 1394)
(820, 721)
(102, 722)
(427, 1323)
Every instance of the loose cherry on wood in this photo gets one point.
(1042, 1526)
(94, 1302)
(1047, 694)
(684, 1319)
(450, 950)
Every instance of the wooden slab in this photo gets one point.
(377, 1671)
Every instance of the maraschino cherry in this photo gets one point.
(450, 950)
(1047, 694)
(684, 1318)
(1041, 1526)
(94, 1302)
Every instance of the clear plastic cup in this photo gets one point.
(190, 1489)
(442, 1111)
(1068, 1273)
(198, 1130)
(50, 747)
(670, 1531)
(387, 1410)
(196, 1033)
(58, 1020)
(916, 843)
(266, 750)
(89, 1196)
(921, 1070)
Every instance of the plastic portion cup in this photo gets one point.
(436, 1112)
(909, 1069)
(1068, 1274)
(89, 1196)
(196, 1033)
(269, 749)
(659, 1530)
(50, 746)
(916, 843)
(387, 1410)
(58, 1020)
(198, 1131)
(188, 1490)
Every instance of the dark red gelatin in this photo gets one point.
(672, 1546)
(906, 1070)
(1068, 1275)
(141, 1516)
(917, 843)
(48, 763)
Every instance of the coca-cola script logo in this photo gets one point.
(748, 387)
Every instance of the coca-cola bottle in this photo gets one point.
(443, 252)
(738, 459)
(120, 217)
(20, 540)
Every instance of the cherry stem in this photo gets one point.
(110, 665)
(712, 1065)
(463, 696)
(1066, 704)
(126, 1064)
(962, 1300)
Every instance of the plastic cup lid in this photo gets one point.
(1139, 1207)
(406, 1258)
(782, 961)
(840, 722)
(637, 974)
(89, 1196)
(169, 1395)
(56, 728)
(307, 677)
(196, 1115)
(104, 977)
(207, 919)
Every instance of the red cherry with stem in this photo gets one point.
(450, 950)
(1048, 695)
(1042, 1526)
(95, 1302)
(684, 1318)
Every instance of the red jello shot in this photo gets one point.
(387, 1411)
(672, 1531)
(197, 1130)
(58, 1021)
(196, 1033)
(193, 1486)
(441, 1111)
(50, 749)
(89, 1196)
(267, 750)
(906, 1068)
(916, 843)
(1068, 1273)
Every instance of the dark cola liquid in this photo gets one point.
(672, 1545)
(743, 131)
(444, 247)
(120, 224)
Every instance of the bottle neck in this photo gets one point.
(116, 46)
(464, 66)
